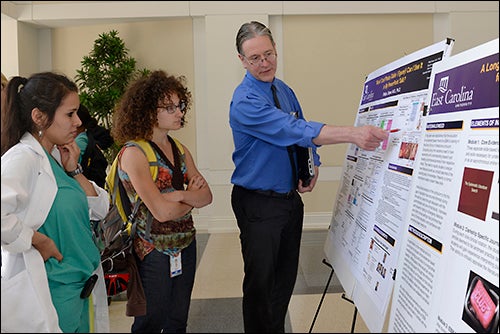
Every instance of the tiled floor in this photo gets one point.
(216, 298)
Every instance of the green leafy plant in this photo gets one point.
(103, 78)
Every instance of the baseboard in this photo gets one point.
(206, 224)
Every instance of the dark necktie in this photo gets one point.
(290, 148)
(275, 97)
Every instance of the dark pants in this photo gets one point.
(270, 233)
(168, 298)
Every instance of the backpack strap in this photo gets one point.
(148, 151)
(175, 166)
(179, 145)
(118, 195)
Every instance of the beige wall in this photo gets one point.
(166, 44)
(10, 59)
(326, 49)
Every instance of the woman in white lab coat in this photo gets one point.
(48, 253)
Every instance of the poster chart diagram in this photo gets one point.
(448, 268)
(364, 236)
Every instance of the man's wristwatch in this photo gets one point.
(78, 170)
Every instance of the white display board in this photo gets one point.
(365, 234)
(448, 272)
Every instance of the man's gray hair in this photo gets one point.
(250, 30)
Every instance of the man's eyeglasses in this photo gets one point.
(257, 60)
(171, 108)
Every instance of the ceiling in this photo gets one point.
(53, 14)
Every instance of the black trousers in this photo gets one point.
(168, 298)
(270, 234)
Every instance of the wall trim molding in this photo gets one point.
(222, 177)
(225, 224)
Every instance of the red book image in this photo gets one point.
(483, 305)
(475, 192)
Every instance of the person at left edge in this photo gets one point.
(47, 248)
(5, 81)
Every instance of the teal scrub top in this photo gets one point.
(68, 224)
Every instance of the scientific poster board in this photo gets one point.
(449, 262)
(364, 236)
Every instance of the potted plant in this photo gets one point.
(103, 78)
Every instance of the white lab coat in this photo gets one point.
(28, 191)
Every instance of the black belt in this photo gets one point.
(272, 193)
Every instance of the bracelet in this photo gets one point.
(78, 170)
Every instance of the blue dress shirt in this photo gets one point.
(262, 132)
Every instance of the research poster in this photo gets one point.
(365, 233)
(448, 276)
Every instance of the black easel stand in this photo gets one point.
(355, 312)
(343, 297)
(323, 296)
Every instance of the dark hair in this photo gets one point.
(250, 30)
(88, 121)
(44, 91)
(100, 134)
(136, 114)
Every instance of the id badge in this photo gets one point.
(175, 265)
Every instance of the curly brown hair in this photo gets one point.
(136, 114)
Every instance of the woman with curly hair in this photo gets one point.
(165, 252)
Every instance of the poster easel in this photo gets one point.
(353, 325)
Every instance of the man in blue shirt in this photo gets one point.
(265, 196)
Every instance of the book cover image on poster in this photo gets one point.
(475, 192)
(481, 305)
